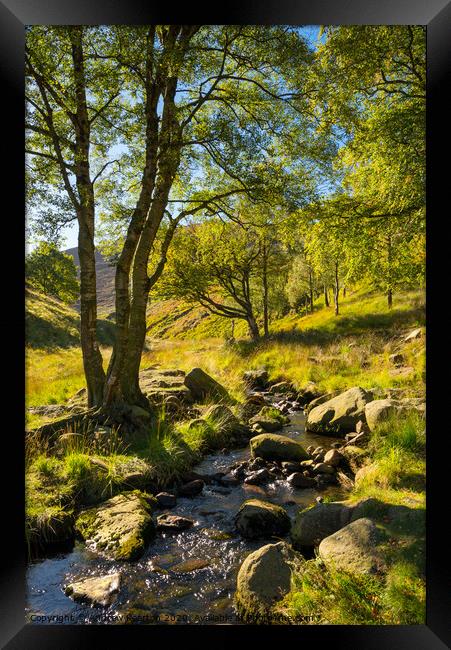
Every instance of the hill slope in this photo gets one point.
(49, 323)
(105, 282)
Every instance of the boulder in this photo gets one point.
(258, 477)
(166, 500)
(308, 393)
(315, 523)
(192, 488)
(323, 468)
(227, 422)
(120, 527)
(265, 424)
(256, 379)
(320, 400)
(173, 523)
(382, 409)
(340, 414)
(354, 548)
(299, 480)
(261, 519)
(281, 387)
(290, 467)
(97, 591)
(263, 579)
(202, 385)
(333, 457)
(276, 447)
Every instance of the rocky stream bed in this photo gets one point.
(184, 577)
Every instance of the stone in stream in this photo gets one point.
(120, 527)
(261, 519)
(323, 468)
(256, 379)
(333, 457)
(277, 447)
(299, 480)
(230, 480)
(166, 500)
(289, 467)
(191, 489)
(354, 548)
(263, 579)
(190, 565)
(98, 591)
(174, 523)
(258, 477)
(340, 414)
(202, 385)
(256, 463)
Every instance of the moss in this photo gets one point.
(271, 413)
(121, 527)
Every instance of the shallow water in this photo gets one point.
(153, 589)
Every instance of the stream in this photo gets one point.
(154, 589)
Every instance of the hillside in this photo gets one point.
(105, 282)
(49, 323)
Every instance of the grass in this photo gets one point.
(396, 451)
(334, 352)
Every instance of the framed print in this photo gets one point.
(230, 379)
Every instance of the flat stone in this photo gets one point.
(98, 591)
(190, 565)
(173, 522)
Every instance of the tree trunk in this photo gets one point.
(344, 292)
(389, 279)
(336, 291)
(310, 280)
(265, 289)
(253, 328)
(390, 298)
(326, 296)
(92, 359)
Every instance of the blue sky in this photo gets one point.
(69, 234)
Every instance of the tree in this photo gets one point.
(158, 104)
(372, 83)
(213, 264)
(52, 272)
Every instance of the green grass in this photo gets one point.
(396, 477)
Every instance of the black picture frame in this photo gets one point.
(14, 15)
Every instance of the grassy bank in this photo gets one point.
(394, 474)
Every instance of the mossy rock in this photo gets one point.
(120, 527)
(263, 580)
(202, 386)
(340, 414)
(261, 519)
(277, 447)
(269, 419)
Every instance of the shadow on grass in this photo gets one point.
(385, 324)
(41, 333)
